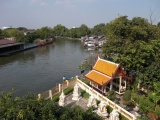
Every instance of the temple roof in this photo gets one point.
(98, 77)
(105, 67)
(104, 71)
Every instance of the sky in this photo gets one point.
(34, 14)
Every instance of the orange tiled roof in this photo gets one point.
(105, 67)
(98, 77)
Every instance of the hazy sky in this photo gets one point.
(39, 13)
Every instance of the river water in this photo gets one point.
(39, 69)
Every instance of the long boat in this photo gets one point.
(11, 48)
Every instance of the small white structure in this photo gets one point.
(62, 99)
(114, 115)
(92, 102)
(39, 96)
(102, 111)
(136, 109)
(76, 93)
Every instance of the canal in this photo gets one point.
(39, 69)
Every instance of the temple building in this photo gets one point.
(107, 76)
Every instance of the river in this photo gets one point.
(39, 69)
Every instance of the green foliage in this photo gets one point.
(158, 111)
(60, 30)
(135, 45)
(43, 33)
(85, 81)
(121, 117)
(55, 98)
(111, 95)
(98, 29)
(68, 90)
(29, 108)
(84, 94)
(109, 109)
(83, 30)
(127, 95)
(146, 105)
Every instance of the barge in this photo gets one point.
(8, 47)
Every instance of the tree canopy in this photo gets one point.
(30, 108)
(135, 44)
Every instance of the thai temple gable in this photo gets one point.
(104, 71)
(106, 74)
(105, 67)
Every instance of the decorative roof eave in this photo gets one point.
(98, 83)
(110, 78)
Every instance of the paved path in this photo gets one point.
(82, 102)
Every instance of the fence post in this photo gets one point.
(59, 87)
(67, 83)
(50, 94)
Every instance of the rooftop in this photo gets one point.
(104, 71)
(5, 41)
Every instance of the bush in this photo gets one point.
(85, 81)
(146, 105)
(29, 108)
(158, 111)
(127, 95)
(121, 117)
(66, 92)
(109, 109)
(84, 94)
(55, 98)
(111, 95)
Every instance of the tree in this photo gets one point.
(30, 108)
(44, 33)
(98, 29)
(23, 29)
(119, 28)
(73, 32)
(83, 30)
(1, 34)
(60, 30)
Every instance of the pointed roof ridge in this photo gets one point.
(109, 61)
(104, 66)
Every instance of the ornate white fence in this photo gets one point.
(100, 97)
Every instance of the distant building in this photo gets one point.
(3, 28)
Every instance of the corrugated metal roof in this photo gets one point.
(5, 41)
